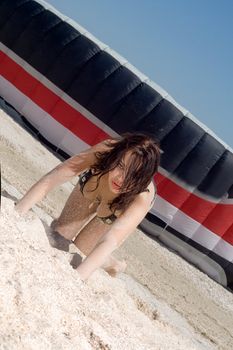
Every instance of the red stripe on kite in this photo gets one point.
(64, 113)
(216, 217)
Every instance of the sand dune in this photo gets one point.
(45, 304)
(161, 302)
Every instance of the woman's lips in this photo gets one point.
(115, 185)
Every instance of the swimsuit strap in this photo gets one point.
(155, 195)
(83, 178)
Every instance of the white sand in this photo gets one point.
(161, 302)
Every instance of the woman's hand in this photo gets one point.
(97, 257)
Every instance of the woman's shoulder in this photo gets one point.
(148, 196)
(145, 198)
(141, 204)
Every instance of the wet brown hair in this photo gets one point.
(143, 164)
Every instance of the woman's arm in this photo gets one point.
(117, 234)
(59, 175)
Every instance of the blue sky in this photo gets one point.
(185, 46)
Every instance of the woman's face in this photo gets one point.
(116, 176)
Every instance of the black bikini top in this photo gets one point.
(83, 178)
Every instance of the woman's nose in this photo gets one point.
(119, 176)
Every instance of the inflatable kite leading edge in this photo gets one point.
(75, 91)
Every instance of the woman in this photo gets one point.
(113, 194)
